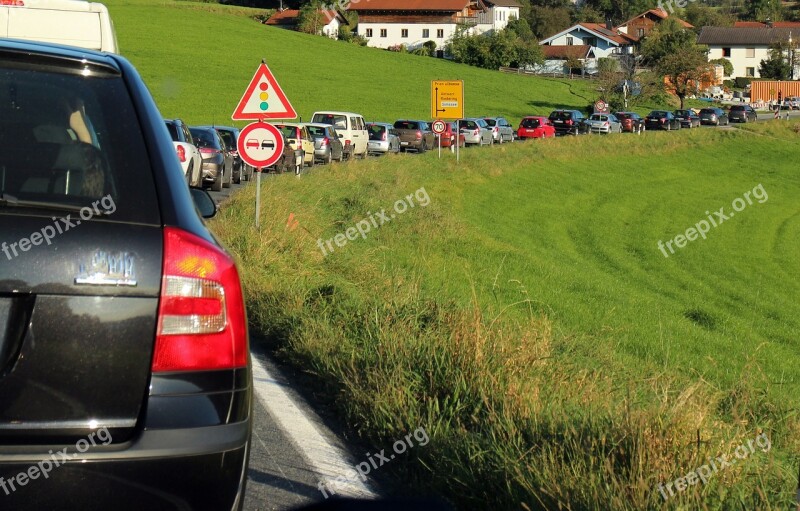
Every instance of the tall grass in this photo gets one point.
(550, 371)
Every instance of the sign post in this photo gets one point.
(439, 127)
(261, 144)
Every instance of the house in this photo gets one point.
(288, 18)
(602, 41)
(641, 25)
(745, 47)
(389, 23)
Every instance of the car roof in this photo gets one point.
(79, 55)
(326, 112)
(319, 125)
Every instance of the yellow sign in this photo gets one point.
(447, 99)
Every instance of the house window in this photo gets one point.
(383, 32)
(404, 32)
(440, 33)
(639, 32)
(750, 71)
(590, 41)
(750, 53)
(426, 33)
(369, 32)
(726, 52)
(569, 41)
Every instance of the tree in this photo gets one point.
(726, 64)
(759, 10)
(547, 21)
(705, 16)
(311, 20)
(673, 53)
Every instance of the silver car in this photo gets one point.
(603, 123)
(383, 138)
(327, 145)
(502, 130)
(476, 131)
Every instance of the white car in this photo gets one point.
(351, 128)
(188, 154)
(476, 131)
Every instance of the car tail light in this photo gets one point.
(209, 150)
(568, 122)
(235, 154)
(605, 125)
(325, 141)
(477, 132)
(201, 315)
(419, 135)
(385, 136)
(663, 120)
(346, 142)
(181, 153)
(13, 3)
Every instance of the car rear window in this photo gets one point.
(736, 108)
(622, 116)
(205, 138)
(288, 131)
(561, 116)
(227, 137)
(173, 131)
(708, 111)
(317, 131)
(470, 125)
(70, 138)
(490, 122)
(376, 131)
(658, 114)
(530, 123)
(340, 121)
(683, 112)
(406, 125)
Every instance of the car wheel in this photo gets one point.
(500, 139)
(217, 184)
(238, 179)
(328, 157)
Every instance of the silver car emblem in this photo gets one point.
(108, 269)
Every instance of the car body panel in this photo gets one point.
(662, 120)
(502, 131)
(475, 131)
(714, 116)
(742, 113)
(568, 122)
(688, 118)
(192, 163)
(631, 121)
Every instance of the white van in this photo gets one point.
(71, 22)
(351, 129)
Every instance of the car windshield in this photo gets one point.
(530, 123)
(340, 121)
(376, 131)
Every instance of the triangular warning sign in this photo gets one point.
(263, 99)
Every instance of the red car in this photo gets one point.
(535, 127)
(449, 136)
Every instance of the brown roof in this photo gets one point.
(409, 5)
(286, 17)
(614, 34)
(563, 51)
(743, 35)
(289, 17)
(660, 14)
(775, 24)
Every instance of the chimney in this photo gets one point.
(768, 22)
(609, 25)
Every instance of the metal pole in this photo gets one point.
(440, 145)
(458, 140)
(258, 198)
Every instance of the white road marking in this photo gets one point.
(328, 462)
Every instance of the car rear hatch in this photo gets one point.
(81, 251)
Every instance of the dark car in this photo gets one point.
(631, 122)
(416, 135)
(568, 122)
(688, 118)
(288, 161)
(662, 120)
(230, 136)
(742, 113)
(715, 116)
(217, 159)
(125, 378)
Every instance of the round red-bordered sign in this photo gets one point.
(439, 127)
(600, 105)
(260, 144)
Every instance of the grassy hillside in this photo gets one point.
(528, 319)
(197, 60)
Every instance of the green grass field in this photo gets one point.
(526, 316)
(198, 58)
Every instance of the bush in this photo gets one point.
(742, 82)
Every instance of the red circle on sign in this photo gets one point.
(260, 144)
(439, 127)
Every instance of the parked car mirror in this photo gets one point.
(204, 203)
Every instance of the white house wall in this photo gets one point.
(414, 40)
(739, 58)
